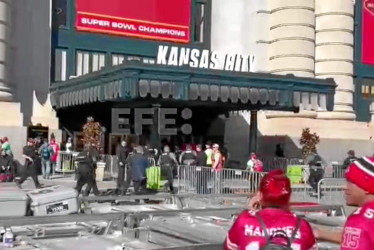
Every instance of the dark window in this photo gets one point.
(60, 13)
(199, 22)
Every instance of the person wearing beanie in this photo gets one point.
(357, 233)
(29, 168)
(254, 227)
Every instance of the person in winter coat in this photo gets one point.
(122, 153)
(316, 171)
(86, 170)
(29, 169)
(167, 162)
(56, 150)
(350, 159)
(188, 156)
(46, 153)
(202, 171)
(201, 158)
(6, 171)
(138, 164)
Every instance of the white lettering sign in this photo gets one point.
(204, 59)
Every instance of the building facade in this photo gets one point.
(290, 42)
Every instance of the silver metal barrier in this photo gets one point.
(338, 171)
(274, 163)
(296, 161)
(66, 162)
(111, 166)
(205, 180)
(331, 190)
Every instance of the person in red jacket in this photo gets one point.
(274, 198)
(358, 230)
(56, 150)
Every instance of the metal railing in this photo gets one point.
(205, 180)
(66, 162)
(331, 190)
(275, 163)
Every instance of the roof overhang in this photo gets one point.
(135, 80)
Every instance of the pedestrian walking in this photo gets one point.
(168, 163)
(56, 150)
(29, 168)
(6, 167)
(316, 171)
(86, 171)
(46, 151)
(124, 179)
(138, 164)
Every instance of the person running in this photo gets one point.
(254, 228)
(29, 169)
(357, 232)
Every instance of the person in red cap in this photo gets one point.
(254, 228)
(357, 233)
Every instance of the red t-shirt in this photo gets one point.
(247, 233)
(358, 230)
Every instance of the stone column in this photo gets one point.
(5, 11)
(335, 53)
(292, 45)
(292, 37)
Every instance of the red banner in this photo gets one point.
(167, 20)
(368, 32)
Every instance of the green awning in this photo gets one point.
(135, 80)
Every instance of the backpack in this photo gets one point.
(46, 153)
(270, 245)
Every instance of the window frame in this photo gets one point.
(207, 16)
(68, 23)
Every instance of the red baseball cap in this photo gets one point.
(275, 188)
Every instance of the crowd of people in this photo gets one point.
(269, 221)
(133, 162)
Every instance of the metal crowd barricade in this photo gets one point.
(274, 163)
(66, 162)
(295, 161)
(111, 166)
(204, 180)
(338, 171)
(331, 190)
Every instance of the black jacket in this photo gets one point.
(201, 159)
